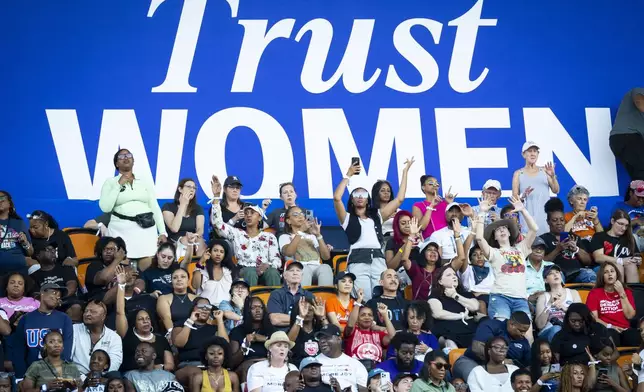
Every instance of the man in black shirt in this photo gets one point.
(395, 301)
(52, 272)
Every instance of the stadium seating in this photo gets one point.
(455, 354)
(83, 240)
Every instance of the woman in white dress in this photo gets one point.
(136, 216)
(215, 273)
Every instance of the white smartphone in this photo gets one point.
(555, 368)
(385, 380)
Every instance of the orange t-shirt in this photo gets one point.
(342, 313)
(583, 228)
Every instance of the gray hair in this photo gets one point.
(577, 190)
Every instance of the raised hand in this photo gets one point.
(315, 227)
(550, 169)
(266, 203)
(215, 186)
(319, 308)
(353, 170)
(527, 192)
(303, 306)
(466, 209)
(449, 198)
(484, 205)
(414, 227)
(360, 294)
(383, 310)
(516, 203)
(408, 163)
(121, 277)
(456, 226)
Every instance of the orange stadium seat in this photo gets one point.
(583, 294)
(337, 260)
(263, 292)
(455, 354)
(81, 271)
(342, 266)
(83, 240)
(322, 292)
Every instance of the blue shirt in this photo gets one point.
(227, 306)
(390, 367)
(282, 301)
(633, 212)
(518, 350)
(12, 254)
(534, 278)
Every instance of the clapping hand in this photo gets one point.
(319, 307)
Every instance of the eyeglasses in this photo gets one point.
(503, 349)
(621, 224)
(441, 365)
(460, 385)
(4, 198)
(121, 157)
(190, 187)
(297, 214)
(360, 194)
(510, 215)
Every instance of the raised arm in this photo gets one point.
(121, 319)
(459, 260)
(468, 243)
(340, 211)
(353, 316)
(391, 330)
(484, 207)
(390, 208)
(552, 177)
(532, 225)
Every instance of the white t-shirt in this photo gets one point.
(445, 239)
(509, 270)
(267, 378)
(469, 283)
(308, 250)
(348, 371)
(368, 237)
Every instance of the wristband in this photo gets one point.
(122, 286)
(482, 216)
(539, 382)
(169, 332)
(299, 321)
(189, 323)
(609, 326)
(319, 237)
(358, 304)
(620, 261)
(430, 209)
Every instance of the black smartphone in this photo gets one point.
(601, 371)
(355, 161)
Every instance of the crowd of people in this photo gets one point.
(488, 279)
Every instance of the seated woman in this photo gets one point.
(422, 270)
(307, 318)
(617, 245)
(477, 277)
(52, 371)
(606, 375)
(432, 376)
(578, 332)
(257, 251)
(361, 332)
(580, 222)
(232, 206)
(234, 308)
(184, 219)
(18, 289)
(215, 377)
(136, 216)
(452, 307)
(215, 272)
(175, 308)
(303, 242)
(268, 375)
(545, 377)
(16, 244)
(494, 376)
(141, 331)
(247, 340)
(52, 272)
(574, 378)
(196, 330)
(507, 258)
(363, 225)
(394, 251)
(339, 308)
(157, 279)
(613, 305)
(44, 231)
(553, 303)
(417, 322)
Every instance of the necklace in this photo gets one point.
(215, 379)
(181, 299)
(141, 338)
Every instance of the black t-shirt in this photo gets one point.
(612, 246)
(60, 241)
(568, 261)
(159, 279)
(238, 334)
(59, 275)
(188, 224)
(571, 346)
(305, 346)
(192, 350)
(455, 330)
(320, 388)
(135, 303)
(396, 308)
(129, 347)
(392, 246)
(94, 291)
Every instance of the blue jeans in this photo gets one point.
(585, 275)
(549, 332)
(501, 307)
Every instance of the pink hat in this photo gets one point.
(638, 187)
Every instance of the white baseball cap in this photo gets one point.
(529, 144)
(492, 184)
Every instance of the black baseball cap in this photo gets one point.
(328, 330)
(241, 281)
(402, 375)
(342, 275)
(53, 286)
(232, 180)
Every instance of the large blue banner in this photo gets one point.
(281, 90)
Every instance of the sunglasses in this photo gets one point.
(361, 194)
(297, 214)
(3, 198)
(510, 215)
(441, 365)
(460, 385)
(432, 183)
(124, 156)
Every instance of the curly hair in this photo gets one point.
(12, 207)
(566, 377)
(102, 243)
(226, 262)
(488, 345)
(216, 341)
(30, 285)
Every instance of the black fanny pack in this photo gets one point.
(145, 220)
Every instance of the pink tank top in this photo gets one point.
(437, 220)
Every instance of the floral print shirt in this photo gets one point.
(250, 252)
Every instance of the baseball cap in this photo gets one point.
(255, 208)
(452, 204)
(240, 281)
(341, 275)
(402, 375)
(425, 244)
(546, 270)
(375, 372)
(53, 286)
(638, 187)
(538, 242)
(328, 330)
(232, 180)
(291, 263)
(309, 361)
(492, 184)
(527, 145)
